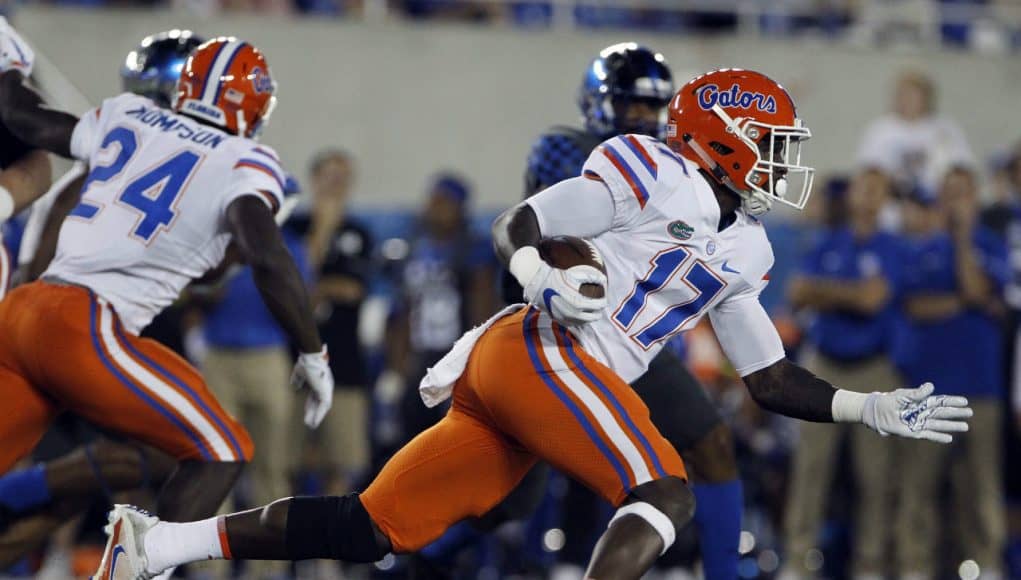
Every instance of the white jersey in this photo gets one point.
(667, 265)
(151, 216)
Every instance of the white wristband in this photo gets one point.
(6, 204)
(524, 264)
(848, 406)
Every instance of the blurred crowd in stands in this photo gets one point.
(984, 25)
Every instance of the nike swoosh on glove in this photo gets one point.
(558, 293)
(917, 414)
(312, 372)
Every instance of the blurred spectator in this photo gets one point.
(447, 285)
(912, 143)
(463, 10)
(849, 279)
(342, 249)
(248, 366)
(952, 286)
(1011, 224)
(1005, 188)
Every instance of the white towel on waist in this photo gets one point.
(438, 382)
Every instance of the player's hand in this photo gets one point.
(15, 53)
(917, 414)
(312, 372)
(557, 292)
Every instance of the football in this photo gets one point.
(567, 251)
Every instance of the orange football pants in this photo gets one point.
(63, 348)
(529, 392)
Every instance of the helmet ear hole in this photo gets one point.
(720, 148)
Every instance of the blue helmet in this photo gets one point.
(622, 74)
(153, 69)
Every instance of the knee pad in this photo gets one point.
(654, 517)
(332, 527)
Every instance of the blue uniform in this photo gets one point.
(962, 354)
(435, 281)
(837, 255)
(241, 319)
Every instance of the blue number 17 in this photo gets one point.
(152, 193)
(706, 285)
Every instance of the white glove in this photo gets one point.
(555, 291)
(912, 413)
(312, 372)
(15, 53)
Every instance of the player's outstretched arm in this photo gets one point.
(23, 111)
(261, 246)
(753, 345)
(788, 389)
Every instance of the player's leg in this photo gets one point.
(25, 412)
(24, 416)
(921, 468)
(456, 469)
(978, 487)
(812, 471)
(579, 416)
(28, 533)
(873, 461)
(684, 414)
(102, 467)
(140, 389)
(51, 493)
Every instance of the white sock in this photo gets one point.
(168, 544)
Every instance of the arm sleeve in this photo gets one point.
(257, 173)
(746, 333)
(575, 207)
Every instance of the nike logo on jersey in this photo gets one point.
(727, 268)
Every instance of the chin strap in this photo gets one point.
(752, 203)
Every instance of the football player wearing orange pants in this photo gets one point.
(54, 492)
(168, 191)
(675, 226)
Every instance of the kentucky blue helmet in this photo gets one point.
(622, 74)
(152, 69)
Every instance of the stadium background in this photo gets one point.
(410, 96)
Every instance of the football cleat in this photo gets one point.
(124, 557)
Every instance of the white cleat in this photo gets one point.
(124, 557)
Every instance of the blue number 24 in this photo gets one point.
(152, 193)
(664, 265)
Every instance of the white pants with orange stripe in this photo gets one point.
(63, 348)
(529, 393)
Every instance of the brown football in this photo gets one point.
(566, 251)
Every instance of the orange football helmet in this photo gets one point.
(741, 127)
(226, 82)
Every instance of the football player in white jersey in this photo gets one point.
(675, 225)
(166, 193)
